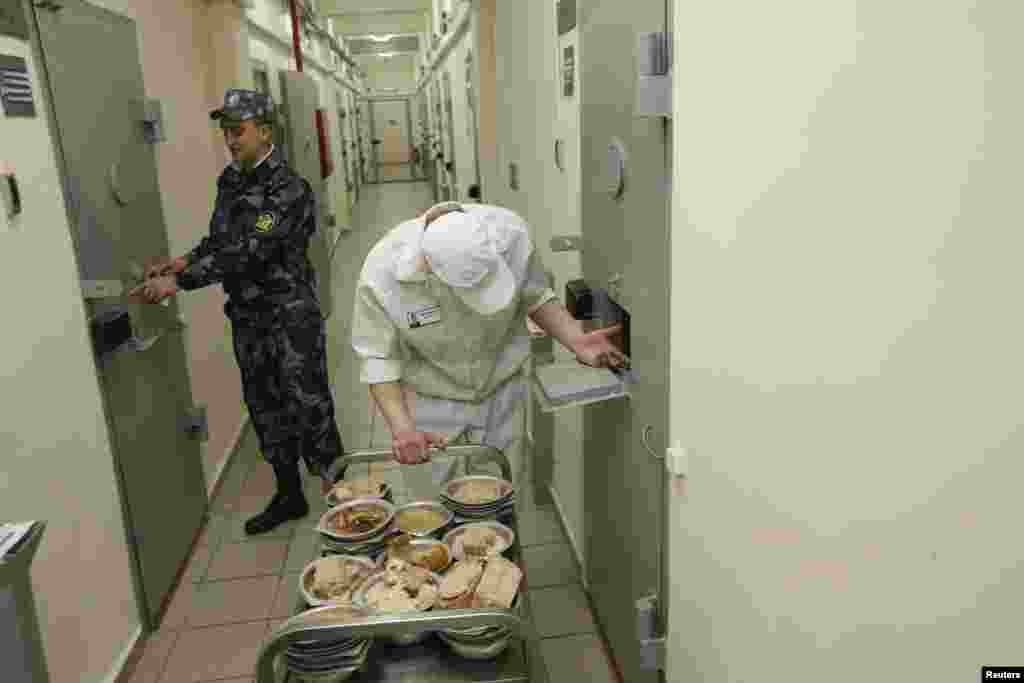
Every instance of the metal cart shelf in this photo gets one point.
(432, 660)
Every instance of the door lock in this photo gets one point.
(195, 423)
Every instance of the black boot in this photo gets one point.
(288, 503)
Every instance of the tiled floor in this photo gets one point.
(236, 589)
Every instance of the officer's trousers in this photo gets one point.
(288, 393)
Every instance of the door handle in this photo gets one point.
(644, 439)
(12, 197)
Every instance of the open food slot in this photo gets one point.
(426, 586)
(568, 384)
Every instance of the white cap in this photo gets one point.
(462, 253)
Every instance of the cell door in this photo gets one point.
(471, 116)
(625, 224)
(301, 97)
(449, 162)
(110, 177)
(392, 136)
(346, 183)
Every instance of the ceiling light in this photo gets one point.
(380, 39)
(386, 54)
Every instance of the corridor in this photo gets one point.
(237, 588)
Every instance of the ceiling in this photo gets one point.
(340, 7)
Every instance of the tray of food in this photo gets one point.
(436, 571)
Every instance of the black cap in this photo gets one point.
(244, 104)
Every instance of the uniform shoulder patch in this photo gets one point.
(265, 223)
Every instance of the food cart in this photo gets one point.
(432, 658)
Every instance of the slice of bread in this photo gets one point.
(499, 583)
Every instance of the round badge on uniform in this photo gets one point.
(265, 223)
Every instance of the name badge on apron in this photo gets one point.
(428, 315)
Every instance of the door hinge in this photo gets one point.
(652, 645)
(652, 655)
(195, 423)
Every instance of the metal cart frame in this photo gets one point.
(316, 624)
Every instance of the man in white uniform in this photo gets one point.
(440, 315)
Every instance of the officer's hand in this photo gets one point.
(411, 448)
(157, 267)
(161, 267)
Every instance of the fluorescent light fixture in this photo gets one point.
(380, 39)
(386, 54)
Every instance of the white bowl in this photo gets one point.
(305, 579)
(506, 537)
(327, 529)
(334, 501)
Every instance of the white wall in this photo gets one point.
(846, 340)
(57, 462)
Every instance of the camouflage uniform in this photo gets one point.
(259, 233)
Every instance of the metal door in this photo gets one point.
(471, 122)
(392, 136)
(627, 252)
(301, 97)
(353, 143)
(111, 187)
(346, 183)
(442, 153)
(449, 161)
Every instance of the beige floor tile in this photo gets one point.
(560, 611)
(303, 549)
(255, 558)
(540, 525)
(207, 654)
(176, 616)
(227, 602)
(287, 598)
(550, 565)
(199, 563)
(260, 482)
(154, 657)
(580, 657)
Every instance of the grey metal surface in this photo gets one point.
(432, 660)
(21, 646)
(99, 127)
(449, 124)
(624, 490)
(300, 99)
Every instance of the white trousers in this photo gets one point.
(499, 421)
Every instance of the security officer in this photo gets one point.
(264, 217)
(440, 324)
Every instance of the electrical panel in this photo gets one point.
(15, 87)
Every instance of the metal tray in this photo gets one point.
(431, 659)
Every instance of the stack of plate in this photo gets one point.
(330, 661)
(483, 642)
(499, 507)
(370, 543)
(486, 642)
(319, 662)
